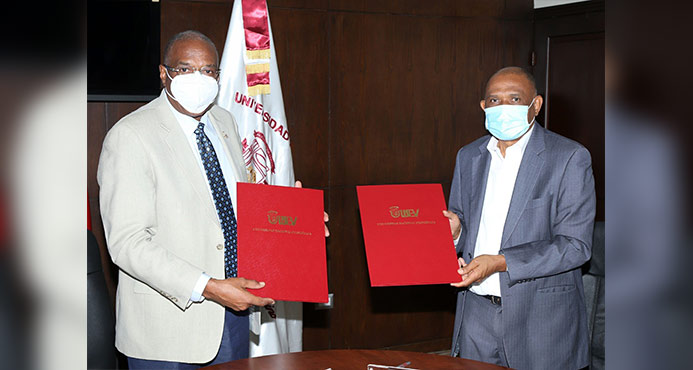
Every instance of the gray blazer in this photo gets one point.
(546, 238)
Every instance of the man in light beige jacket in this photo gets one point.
(174, 306)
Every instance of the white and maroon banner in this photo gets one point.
(249, 88)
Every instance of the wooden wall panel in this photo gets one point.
(453, 8)
(297, 4)
(305, 95)
(517, 46)
(575, 98)
(396, 122)
(209, 17)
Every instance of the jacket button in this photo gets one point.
(220, 246)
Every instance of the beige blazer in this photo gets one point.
(163, 231)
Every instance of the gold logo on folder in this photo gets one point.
(274, 218)
(396, 212)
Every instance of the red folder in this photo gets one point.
(408, 239)
(281, 241)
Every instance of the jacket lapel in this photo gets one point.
(183, 156)
(480, 167)
(530, 167)
(228, 141)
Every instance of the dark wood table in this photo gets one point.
(353, 359)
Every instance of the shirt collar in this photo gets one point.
(187, 123)
(519, 147)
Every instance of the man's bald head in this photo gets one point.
(512, 86)
(187, 52)
(186, 36)
(517, 71)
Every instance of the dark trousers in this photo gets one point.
(234, 346)
(481, 335)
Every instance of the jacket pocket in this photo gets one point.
(557, 289)
(142, 288)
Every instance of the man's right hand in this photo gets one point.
(232, 293)
(455, 225)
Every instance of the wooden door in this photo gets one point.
(569, 69)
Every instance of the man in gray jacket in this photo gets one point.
(522, 207)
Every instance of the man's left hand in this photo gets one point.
(325, 216)
(479, 269)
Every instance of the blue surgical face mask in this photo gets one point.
(508, 122)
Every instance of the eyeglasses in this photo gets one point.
(205, 71)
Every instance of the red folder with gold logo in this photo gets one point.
(281, 241)
(408, 239)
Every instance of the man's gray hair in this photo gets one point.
(187, 35)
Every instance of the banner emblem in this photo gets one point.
(258, 157)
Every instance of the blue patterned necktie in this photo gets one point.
(222, 200)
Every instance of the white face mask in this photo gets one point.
(193, 91)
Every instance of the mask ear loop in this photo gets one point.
(165, 89)
(529, 106)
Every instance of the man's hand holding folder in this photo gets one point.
(480, 267)
(407, 234)
(233, 292)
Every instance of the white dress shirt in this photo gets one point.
(499, 191)
(189, 125)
